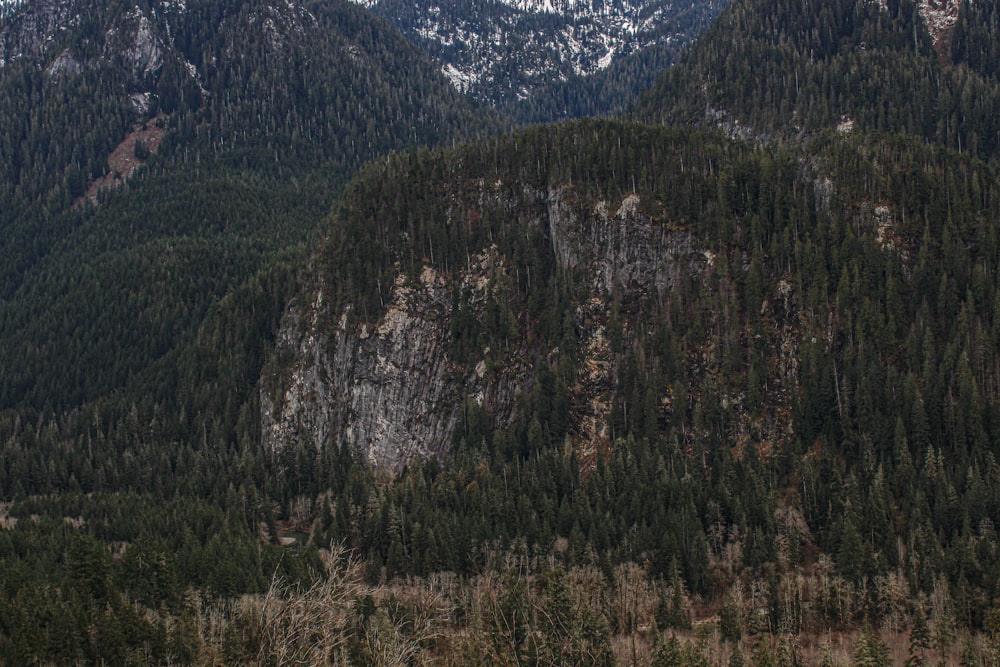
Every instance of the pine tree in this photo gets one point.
(668, 653)
(920, 639)
(871, 651)
(971, 655)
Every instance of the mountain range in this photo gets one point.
(795, 68)
(228, 142)
(309, 356)
(547, 60)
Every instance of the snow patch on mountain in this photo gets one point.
(545, 6)
(496, 49)
(606, 59)
(461, 80)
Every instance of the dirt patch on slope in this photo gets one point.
(133, 152)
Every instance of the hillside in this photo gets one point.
(774, 69)
(539, 61)
(163, 167)
(765, 340)
(246, 119)
(721, 389)
(655, 351)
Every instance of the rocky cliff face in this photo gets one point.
(61, 36)
(940, 17)
(390, 389)
(30, 28)
(394, 390)
(137, 43)
(622, 249)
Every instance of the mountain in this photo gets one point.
(156, 155)
(645, 340)
(691, 362)
(163, 169)
(718, 388)
(771, 68)
(761, 358)
(535, 59)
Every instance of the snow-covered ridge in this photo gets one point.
(551, 6)
(567, 8)
(577, 8)
(504, 49)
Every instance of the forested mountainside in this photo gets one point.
(611, 91)
(590, 393)
(235, 125)
(802, 315)
(777, 68)
(764, 376)
(542, 61)
(162, 168)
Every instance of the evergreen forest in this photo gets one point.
(721, 378)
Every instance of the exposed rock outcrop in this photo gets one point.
(31, 31)
(65, 65)
(393, 390)
(625, 251)
(940, 17)
(390, 390)
(142, 50)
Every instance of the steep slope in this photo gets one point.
(773, 67)
(719, 359)
(601, 345)
(248, 117)
(535, 60)
(447, 276)
(767, 374)
(398, 340)
(973, 38)
(609, 92)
